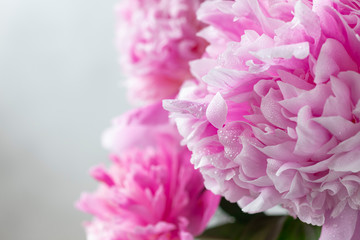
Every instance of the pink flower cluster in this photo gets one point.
(151, 191)
(156, 40)
(274, 115)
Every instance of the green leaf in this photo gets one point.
(263, 228)
(294, 229)
(259, 227)
(235, 211)
(229, 231)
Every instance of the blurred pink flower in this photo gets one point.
(274, 117)
(156, 40)
(151, 191)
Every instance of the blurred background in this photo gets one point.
(59, 89)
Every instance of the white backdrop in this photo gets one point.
(59, 89)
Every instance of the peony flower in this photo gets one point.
(273, 117)
(151, 191)
(156, 40)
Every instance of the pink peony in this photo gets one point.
(156, 40)
(274, 118)
(151, 191)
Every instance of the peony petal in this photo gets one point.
(267, 199)
(281, 180)
(315, 99)
(215, 14)
(196, 110)
(311, 136)
(341, 128)
(296, 50)
(346, 162)
(297, 188)
(283, 152)
(340, 104)
(306, 17)
(199, 68)
(352, 81)
(216, 111)
(100, 174)
(252, 161)
(347, 145)
(271, 110)
(333, 58)
(341, 227)
(289, 91)
(294, 80)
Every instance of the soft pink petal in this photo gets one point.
(216, 111)
(341, 227)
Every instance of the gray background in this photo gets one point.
(59, 89)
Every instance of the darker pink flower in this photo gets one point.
(156, 40)
(274, 117)
(151, 191)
